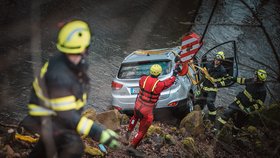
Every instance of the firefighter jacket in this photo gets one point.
(217, 74)
(60, 91)
(150, 89)
(253, 96)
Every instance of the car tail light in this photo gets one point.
(117, 108)
(173, 104)
(116, 85)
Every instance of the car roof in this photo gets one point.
(150, 55)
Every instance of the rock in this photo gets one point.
(258, 144)
(193, 123)
(9, 151)
(90, 113)
(159, 141)
(174, 129)
(196, 108)
(169, 139)
(225, 135)
(154, 129)
(16, 155)
(188, 143)
(110, 119)
(124, 119)
(252, 130)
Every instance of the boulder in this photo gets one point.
(193, 123)
(188, 143)
(110, 119)
(90, 113)
(154, 129)
(252, 130)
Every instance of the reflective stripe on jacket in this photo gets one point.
(253, 96)
(151, 87)
(57, 88)
(218, 74)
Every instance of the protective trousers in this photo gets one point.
(238, 116)
(143, 113)
(209, 97)
(67, 143)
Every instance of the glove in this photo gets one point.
(175, 72)
(177, 59)
(248, 110)
(197, 93)
(109, 138)
(234, 79)
(215, 85)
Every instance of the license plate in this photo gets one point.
(134, 90)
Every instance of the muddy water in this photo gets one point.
(122, 26)
(232, 20)
(119, 27)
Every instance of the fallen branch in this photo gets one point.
(8, 125)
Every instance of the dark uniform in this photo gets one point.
(58, 96)
(249, 100)
(210, 88)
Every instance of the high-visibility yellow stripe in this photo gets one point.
(39, 92)
(84, 126)
(35, 110)
(155, 85)
(240, 80)
(260, 102)
(44, 69)
(239, 103)
(63, 100)
(248, 95)
(81, 103)
(222, 78)
(212, 112)
(57, 104)
(256, 106)
(145, 82)
(63, 103)
(222, 120)
(210, 89)
(66, 107)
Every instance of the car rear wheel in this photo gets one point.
(183, 108)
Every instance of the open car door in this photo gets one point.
(231, 61)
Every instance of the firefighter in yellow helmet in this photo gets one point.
(58, 96)
(210, 84)
(250, 99)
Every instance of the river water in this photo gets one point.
(29, 31)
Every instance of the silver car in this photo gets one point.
(125, 86)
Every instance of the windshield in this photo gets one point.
(135, 70)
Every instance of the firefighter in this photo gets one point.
(150, 89)
(58, 96)
(249, 100)
(211, 83)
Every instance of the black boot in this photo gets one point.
(132, 151)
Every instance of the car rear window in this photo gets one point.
(136, 70)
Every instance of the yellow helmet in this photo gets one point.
(74, 37)
(220, 55)
(155, 70)
(261, 74)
